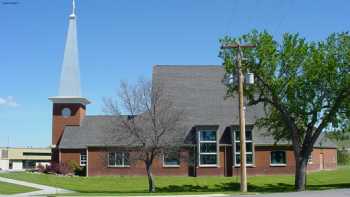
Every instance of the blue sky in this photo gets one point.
(122, 40)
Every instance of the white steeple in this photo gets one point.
(70, 75)
(69, 89)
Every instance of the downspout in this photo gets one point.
(225, 163)
(194, 161)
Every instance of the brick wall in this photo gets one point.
(97, 166)
(58, 121)
(97, 163)
(262, 161)
(329, 159)
(68, 155)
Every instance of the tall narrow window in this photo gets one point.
(248, 143)
(118, 159)
(83, 159)
(207, 148)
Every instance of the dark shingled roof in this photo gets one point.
(196, 89)
(93, 130)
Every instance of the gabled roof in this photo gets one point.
(199, 91)
(90, 132)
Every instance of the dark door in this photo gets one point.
(228, 161)
(192, 162)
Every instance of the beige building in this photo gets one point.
(23, 158)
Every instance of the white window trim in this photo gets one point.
(170, 166)
(206, 141)
(239, 153)
(123, 160)
(278, 164)
(82, 164)
(87, 162)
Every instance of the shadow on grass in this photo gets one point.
(226, 187)
(185, 188)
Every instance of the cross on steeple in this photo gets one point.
(73, 9)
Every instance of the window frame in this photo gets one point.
(83, 162)
(123, 165)
(234, 141)
(171, 165)
(207, 153)
(278, 164)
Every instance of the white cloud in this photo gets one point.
(8, 102)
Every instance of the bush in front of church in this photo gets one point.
(76, 168)
(57, 168)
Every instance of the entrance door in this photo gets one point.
(321, 161)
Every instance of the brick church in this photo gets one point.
(213, 128)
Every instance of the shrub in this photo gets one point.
(52, 168)
(58, 168)
(81, 171)
(73, 165)
(63, 168)
(41, 168)
(76, 168)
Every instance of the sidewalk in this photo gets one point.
(43, 189)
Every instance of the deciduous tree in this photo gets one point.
(150, 123)
(305, 87)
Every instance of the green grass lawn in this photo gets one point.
(339, 178)
(9, 188)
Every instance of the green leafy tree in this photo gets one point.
(304, 86)
(341, 136)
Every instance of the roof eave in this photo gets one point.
(69, 99)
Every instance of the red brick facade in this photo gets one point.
(68, 155)
(97, 166)
(97, 163)
(59, 122)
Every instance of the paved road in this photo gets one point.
(43, 189)
(326, 193)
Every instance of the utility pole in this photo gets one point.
(239, 58)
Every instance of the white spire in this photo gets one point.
(73, 9)
(70, 75)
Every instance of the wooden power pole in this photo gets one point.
(241, 112)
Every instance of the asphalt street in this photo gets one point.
(326, 193)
